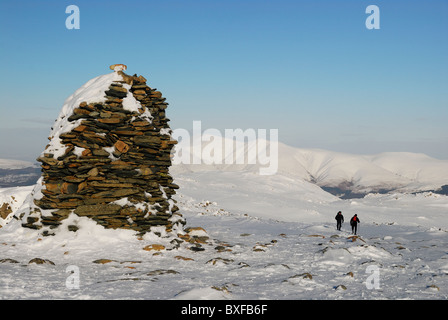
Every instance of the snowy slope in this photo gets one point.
(417, 167)
(14, 197)
(270, 197)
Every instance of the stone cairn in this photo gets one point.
(115, 166)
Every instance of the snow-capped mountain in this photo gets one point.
(339, 173)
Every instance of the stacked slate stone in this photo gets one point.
(115, 165)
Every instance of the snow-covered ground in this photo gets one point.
(271, 237)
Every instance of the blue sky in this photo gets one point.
(308, 68)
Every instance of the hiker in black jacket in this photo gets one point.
(354, 223)
(339, 220)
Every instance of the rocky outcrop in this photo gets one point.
(112, 165)
(5, 210)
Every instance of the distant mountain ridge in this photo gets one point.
(342, 174)
(16, 173)
(10, 164)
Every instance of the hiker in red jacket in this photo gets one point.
(354, 223)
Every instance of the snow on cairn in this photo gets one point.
(108, 159)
